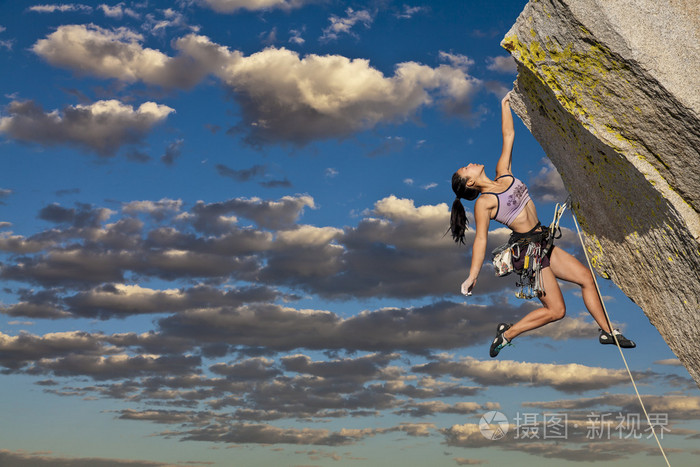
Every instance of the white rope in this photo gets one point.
(607, 316)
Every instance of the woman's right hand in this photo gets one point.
(468, 285)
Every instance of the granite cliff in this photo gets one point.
(611, 90)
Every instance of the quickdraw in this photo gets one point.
(539, 244)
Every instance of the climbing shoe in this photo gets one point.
(500, 341)
(607, 338)
(502, 327)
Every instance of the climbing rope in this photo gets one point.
(607, 317)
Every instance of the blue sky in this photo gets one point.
(222, 244)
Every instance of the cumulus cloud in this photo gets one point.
(18, 351)
(103, 126)
(118, 53)
(340, 26)
(283, 97)
(116, 366)
(212, 217)
(442, 325)
(122, 300)
(397, 249)
(83, 215)
(675, 406)
(570, 377)
(159, 210)
(20, 244)
(245, 433)
(288, 98)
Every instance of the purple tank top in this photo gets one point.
(511, 202)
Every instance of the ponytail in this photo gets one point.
(458, 217)
(458, 221)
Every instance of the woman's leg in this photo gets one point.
(553, 307)
(566, 267)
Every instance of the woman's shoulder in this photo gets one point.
(486, 202)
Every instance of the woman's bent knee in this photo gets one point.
(557, 312)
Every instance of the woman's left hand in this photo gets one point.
(506, 98)
(468, 285)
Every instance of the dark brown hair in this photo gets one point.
(458, 217)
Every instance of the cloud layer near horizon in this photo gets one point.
(230, 353)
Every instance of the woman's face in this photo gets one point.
(470, 172)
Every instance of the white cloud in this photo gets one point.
(502, 64)
(289, 98)
(409, 12)
(284, 97)
(296, 36)
(669, 361)
(571, 377)
(457, 60)
(232, 6)
(154, 208)
(169, 18)
(307, 235)
(61, 8)
(102, 127)
(118, 11)
(340, 26)
(117, 53)
(404, 210)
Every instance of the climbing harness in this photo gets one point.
(617, 343)
(534, 245)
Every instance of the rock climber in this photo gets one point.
(506, 199)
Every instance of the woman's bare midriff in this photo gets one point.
(526, 220)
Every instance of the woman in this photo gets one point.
(506, 200)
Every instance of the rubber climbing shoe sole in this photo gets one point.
(500, 341)
(607, 338)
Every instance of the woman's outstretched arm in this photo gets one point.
(482, 219)
(504, 162)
